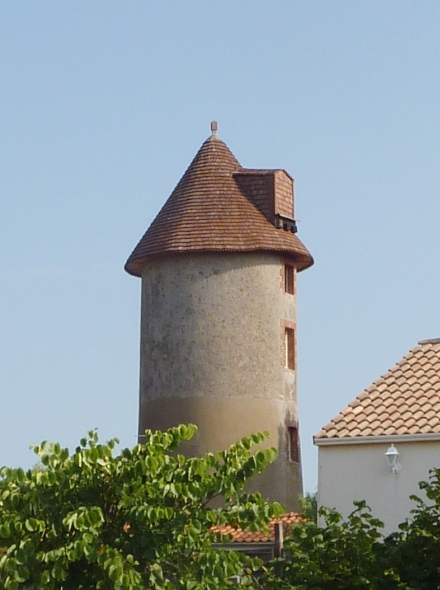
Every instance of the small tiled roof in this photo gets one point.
(207, 211)
(241, 536)
(405, 400)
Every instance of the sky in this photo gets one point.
(104, 104)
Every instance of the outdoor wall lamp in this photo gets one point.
(392, 456)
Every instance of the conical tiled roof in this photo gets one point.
(405, 400)
(208, 212)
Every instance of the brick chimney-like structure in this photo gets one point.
(218, 328)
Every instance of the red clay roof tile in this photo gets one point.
(406, 400)
(241, 536)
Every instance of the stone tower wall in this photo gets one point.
(213, 353)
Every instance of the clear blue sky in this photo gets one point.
(102, 107)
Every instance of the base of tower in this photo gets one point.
(222, 422)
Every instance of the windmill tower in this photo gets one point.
(218, 313)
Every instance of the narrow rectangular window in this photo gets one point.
(293, 444)
(289, 345)
(289, 279)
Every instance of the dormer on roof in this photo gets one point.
(219, 206)
(271, 191)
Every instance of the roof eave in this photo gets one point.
(378, 439)
(261, 172)
(134, 266)
(245, 546)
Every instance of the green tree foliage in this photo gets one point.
(340, 555)
(141, 519)
(309, 506)
(414, 552)
(352, 553)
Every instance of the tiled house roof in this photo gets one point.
(241, 536)
(405, 400)
(218, 206)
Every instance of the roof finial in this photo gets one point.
(214, 128)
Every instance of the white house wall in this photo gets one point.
(349, 472)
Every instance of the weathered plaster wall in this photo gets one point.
(360, 472)
(212, 353)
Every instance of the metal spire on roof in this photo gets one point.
(214, 128)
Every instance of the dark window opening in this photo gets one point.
(289, 279)
(293, 444)
(289, 345)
